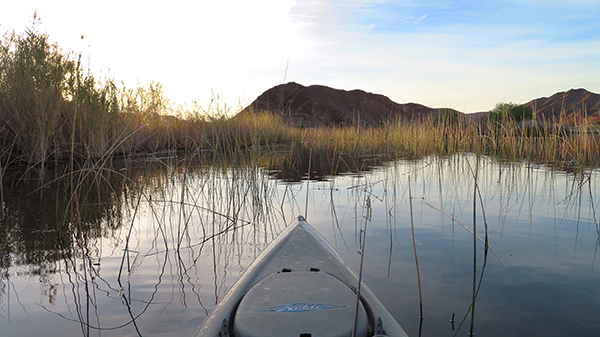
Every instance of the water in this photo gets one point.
(150, 251)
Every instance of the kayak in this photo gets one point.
(299, 286)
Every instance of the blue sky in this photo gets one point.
(466, 55)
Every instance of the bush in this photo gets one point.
(52, 110)
(509, 111)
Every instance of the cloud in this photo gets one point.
(462, 54)
(436, 51)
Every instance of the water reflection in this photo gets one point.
(293, 165)
(149, 249)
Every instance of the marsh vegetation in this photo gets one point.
(54, 114)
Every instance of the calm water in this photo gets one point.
(149, 252)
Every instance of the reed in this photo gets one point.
(53, 113)
(547, 142)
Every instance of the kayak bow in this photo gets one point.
(298, 287)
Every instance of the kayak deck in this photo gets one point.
(298, 287)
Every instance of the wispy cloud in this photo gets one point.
(462, 54)
(437, 49)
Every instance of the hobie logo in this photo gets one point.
(301, 307)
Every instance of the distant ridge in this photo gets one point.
(567, 106)
(318, 105)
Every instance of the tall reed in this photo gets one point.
(54, 112)
(541, 141)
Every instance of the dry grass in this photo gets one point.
(563, 147)
(51, 112)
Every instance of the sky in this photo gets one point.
(465, 55)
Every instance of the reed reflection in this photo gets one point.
(125, 251)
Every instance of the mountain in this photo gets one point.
(318, 105)
(568, 106)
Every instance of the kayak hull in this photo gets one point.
(298, 286)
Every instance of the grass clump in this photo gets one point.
(52, 111)
(510, 111)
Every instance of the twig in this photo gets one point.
(468, 229)
(412, 227)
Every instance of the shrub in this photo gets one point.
(512, 111)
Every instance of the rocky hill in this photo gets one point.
(569, 106)
(318, 105)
